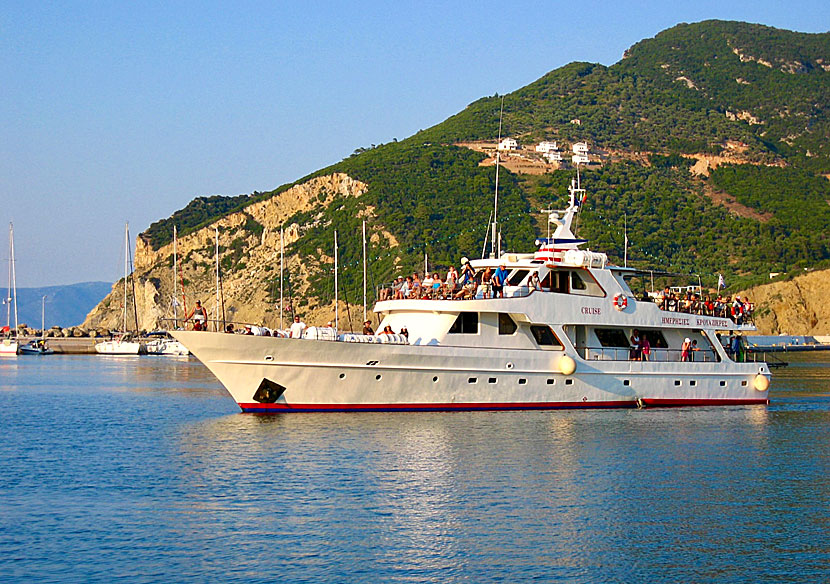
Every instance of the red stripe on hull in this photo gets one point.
(672, 403)
(428, 407)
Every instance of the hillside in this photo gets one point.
(65, 305)
(795, 306)
(747, 102)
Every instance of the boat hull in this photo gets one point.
(8, 348)
(118, 348)
(266, 374)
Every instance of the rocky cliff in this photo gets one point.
(796, 307)
(249, 250)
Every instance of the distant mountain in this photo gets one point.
(714, 146)
(65, 305)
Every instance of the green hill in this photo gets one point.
(693, 89)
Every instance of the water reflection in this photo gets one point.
(136, 459)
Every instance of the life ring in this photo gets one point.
(620, 302)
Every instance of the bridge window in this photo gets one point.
(544, 336)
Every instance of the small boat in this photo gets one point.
(161, 343)
(36, 347)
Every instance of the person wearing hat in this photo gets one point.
(367, 328)
(685, 349)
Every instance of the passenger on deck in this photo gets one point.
(387, 330)
(415, 286)
(247, 330)
(664, 298)
(297, 328)
(635, 354)
(486, 283)
(229, 329)
(367, 328)
(449, 283)
(437, 286)
(533, 282)
(645, 347)
(467, 280)
(200, 317)
(499, 280)
(405, 332)
(685, 349)
(404, 290)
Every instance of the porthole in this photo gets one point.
(743, 383)
(472, 380)
(626, 382)
(378, 377)
(509, 365)
(569, 382)
(677, 382)
(435, 379)
(723, 383)
(551, 381)
(492, 380)
(269, 357)
(693, 383)
(342, 376)
(522, 381)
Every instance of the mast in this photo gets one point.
(126, 264)
(175, 275)
(218, 300)
(12, 291)
(364, 270)
(282, 264)
(496, 196)
(336, 311)
(43, 317)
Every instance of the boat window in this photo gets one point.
(544, 335)
(612, 337)
(506, 324)
(655, 338)
(517, 277)
(556, 281)
(466, 323)
(577, 283)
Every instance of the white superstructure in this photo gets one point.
(560, 337)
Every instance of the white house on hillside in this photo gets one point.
(580, 148)
(546, 147)
(553, 156)
(508, 144)
(580, 159)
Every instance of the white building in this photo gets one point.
(580, 148)
(553, 156)
(508, 144)
(546, 147)
(580, 159)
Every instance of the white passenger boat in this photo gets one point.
(562, 343)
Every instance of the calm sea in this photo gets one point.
(143, 470)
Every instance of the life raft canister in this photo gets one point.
(620, 301)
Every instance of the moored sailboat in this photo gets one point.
(124, 342)
(9, 344)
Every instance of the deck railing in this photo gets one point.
(655, 354)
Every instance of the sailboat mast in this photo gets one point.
(126, 264)
(364, 270)
(336, 311)
(282, 268)
(218, 300)
(496, 196)
(175, 275)
(43, 317)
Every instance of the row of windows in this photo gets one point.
(467, 323)
(551, 381)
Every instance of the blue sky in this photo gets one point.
(116, 111)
